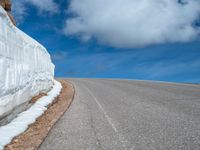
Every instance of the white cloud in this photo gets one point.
(134, 23)
(43, 6)
(19, 11)
(59, 55)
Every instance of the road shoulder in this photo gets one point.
(38, 131)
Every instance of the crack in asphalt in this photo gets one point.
(92, 124)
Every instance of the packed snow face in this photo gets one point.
(20, 124)
(25, 67)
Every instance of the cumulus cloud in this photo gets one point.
(43, 6)
(134, 23)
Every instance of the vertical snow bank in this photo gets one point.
(25, 66)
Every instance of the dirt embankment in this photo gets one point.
(32, 138)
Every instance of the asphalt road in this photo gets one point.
(126, 114)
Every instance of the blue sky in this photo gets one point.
(81, 46)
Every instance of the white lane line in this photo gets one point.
(104, 112)
(109, 119)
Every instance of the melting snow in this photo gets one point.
(20, 124)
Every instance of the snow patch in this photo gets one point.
(20, 124)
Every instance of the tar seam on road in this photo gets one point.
(109, 119)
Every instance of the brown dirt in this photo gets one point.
(33, 137)
(35, 98)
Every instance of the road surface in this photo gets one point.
(126, 114)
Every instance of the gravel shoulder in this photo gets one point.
(37, 132)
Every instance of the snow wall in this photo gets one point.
(25, 67)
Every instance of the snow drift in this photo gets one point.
(24, 119)
(25, 67)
